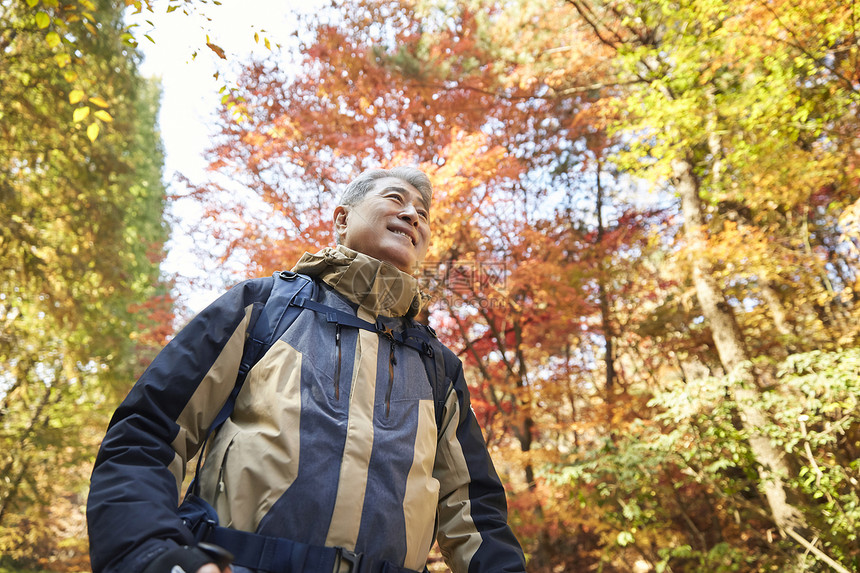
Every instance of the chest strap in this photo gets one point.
(414, 338)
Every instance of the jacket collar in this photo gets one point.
(379, 287)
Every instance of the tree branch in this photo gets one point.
(797, 44)
(818, 553)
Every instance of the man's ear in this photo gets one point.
(339, 219)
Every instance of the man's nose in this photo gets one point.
(409, 213)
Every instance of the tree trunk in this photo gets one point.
(10, 495)
(777, 311)
(728, 338)
(605, 315)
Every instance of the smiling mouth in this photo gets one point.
(411, 240)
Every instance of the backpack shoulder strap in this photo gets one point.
(269, 321)
(273, 319)
(433, 356)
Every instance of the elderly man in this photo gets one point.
(348, 446)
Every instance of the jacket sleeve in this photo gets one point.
(134, 490)
(474, 535)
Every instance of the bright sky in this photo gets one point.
(190, 92)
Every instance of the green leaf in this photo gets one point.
(625, 538)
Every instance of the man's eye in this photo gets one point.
(396, 197)
(424, 215)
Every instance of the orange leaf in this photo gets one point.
(217, 49)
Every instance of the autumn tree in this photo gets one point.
(578, 313)
(382, 84)
(748, 143)
(82, 302)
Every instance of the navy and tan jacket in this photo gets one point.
(326, 445)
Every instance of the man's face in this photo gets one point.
(391, 223)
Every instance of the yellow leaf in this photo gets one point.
(80, 114)
(70, 76)
(52, 39)
(63, 60)
(266, 42)
(75, 96)
(103, 115)
(256, 38)
(43, 20)
(93, 131)
(98, 101)
(87, 4)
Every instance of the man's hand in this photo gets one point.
(212, 568)
(192, 560)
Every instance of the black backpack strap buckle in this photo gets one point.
(427, 348)
(347, 561)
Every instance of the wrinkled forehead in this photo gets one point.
(395, 184)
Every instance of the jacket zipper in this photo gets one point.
(391, 362)
(222, 487)
(337, 366)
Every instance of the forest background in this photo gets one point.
(647, 232)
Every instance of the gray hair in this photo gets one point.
(361, 185)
